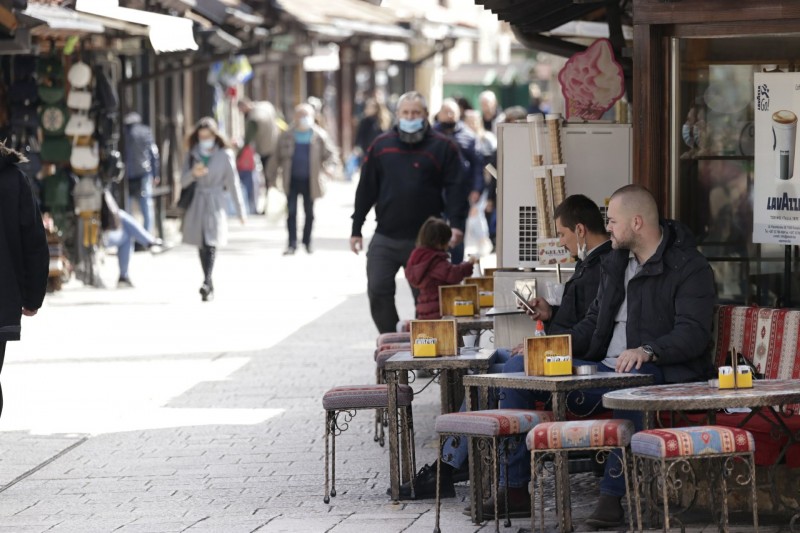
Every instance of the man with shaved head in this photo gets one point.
(652, 315)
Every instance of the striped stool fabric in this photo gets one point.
(393, 338)
(346, 400)
(689, 441)
(491, 427)
(493, 422)
(580, 434)
(365, 397)
(656, 452)
(612, 436)
(393, 348)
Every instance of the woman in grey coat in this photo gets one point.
(211, 163)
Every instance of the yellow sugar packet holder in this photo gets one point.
(727, 380)
(557, 365)
(463, 308)
(486, 298)
(744, 377)
(424, 346)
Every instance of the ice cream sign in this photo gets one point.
(592, 81)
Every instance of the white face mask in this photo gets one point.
(305, 123)
(207, 145)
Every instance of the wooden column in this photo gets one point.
(651, 112)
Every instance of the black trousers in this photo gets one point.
(208, 255)
(385, 257)
(299, 188)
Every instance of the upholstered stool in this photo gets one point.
(393, 338)
(348, 400)
(666, 450)
(488, 426)
(382, 354)
(554, 438)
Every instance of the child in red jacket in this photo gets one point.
(429, 267)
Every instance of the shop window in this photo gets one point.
(712, 174)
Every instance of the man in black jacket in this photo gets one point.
(581, 230)
(410, 173)
(24, 256)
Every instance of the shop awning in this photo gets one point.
(167, 33)
(61, 19)
(344, 18)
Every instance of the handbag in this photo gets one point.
(54, 119)
(246, 160)
(79, 125)
(56, 149)
(84, 159)
(77, 99)
(187, 195)
(79, 75)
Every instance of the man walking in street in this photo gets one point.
(449, 124)
(300, 158)
(652, 315)
(24, 255)
(141, 165)
(410, 173)
(262, 130)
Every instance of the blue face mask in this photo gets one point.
(410, 125)
(207, 145)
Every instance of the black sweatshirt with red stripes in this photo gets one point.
(407, 183)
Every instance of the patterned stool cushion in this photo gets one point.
(385, 355)
(580, 434)
(365, 397)
(393, 338)
(493, 422)
(393, 348)
(688, 441)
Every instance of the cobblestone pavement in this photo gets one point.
(144, 410)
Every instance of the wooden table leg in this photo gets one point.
(403, 450)
(563, 501)
(394, 467)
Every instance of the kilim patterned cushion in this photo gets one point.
(393, 338)
(689, 441)
(365, 397)
(493, 422)
(580, 434)
(394, 348)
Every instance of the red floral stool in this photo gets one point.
(554, 439)
(382, 354)
(665, 455)
(487, 428)
(346, 401)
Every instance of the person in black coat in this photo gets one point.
(24, 255)
(581, 230)
(652, 315)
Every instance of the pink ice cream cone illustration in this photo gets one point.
(592, 81)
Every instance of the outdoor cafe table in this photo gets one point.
(471, 325)
(560, 387)
(450, 369)
(765, 399)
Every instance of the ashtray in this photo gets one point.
(584, 370)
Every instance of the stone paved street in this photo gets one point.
(145, 410)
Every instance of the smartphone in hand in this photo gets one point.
(521, 299)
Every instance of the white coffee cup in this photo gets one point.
(784, 134)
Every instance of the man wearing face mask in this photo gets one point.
(410, 173)
(449, 124)
(302, 152)
(581, 230)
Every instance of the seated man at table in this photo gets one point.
(652, 315)
(580, 228)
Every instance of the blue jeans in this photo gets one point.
(519, 460)
(299, 188)
(141, 189)
(456, 456)
(130, 231)
(248, 190)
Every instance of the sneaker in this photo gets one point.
(290, 250)
(158, 247)
(309, 250)
(607, 514)
(425, 484)
(206, 292)
(124, 283)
